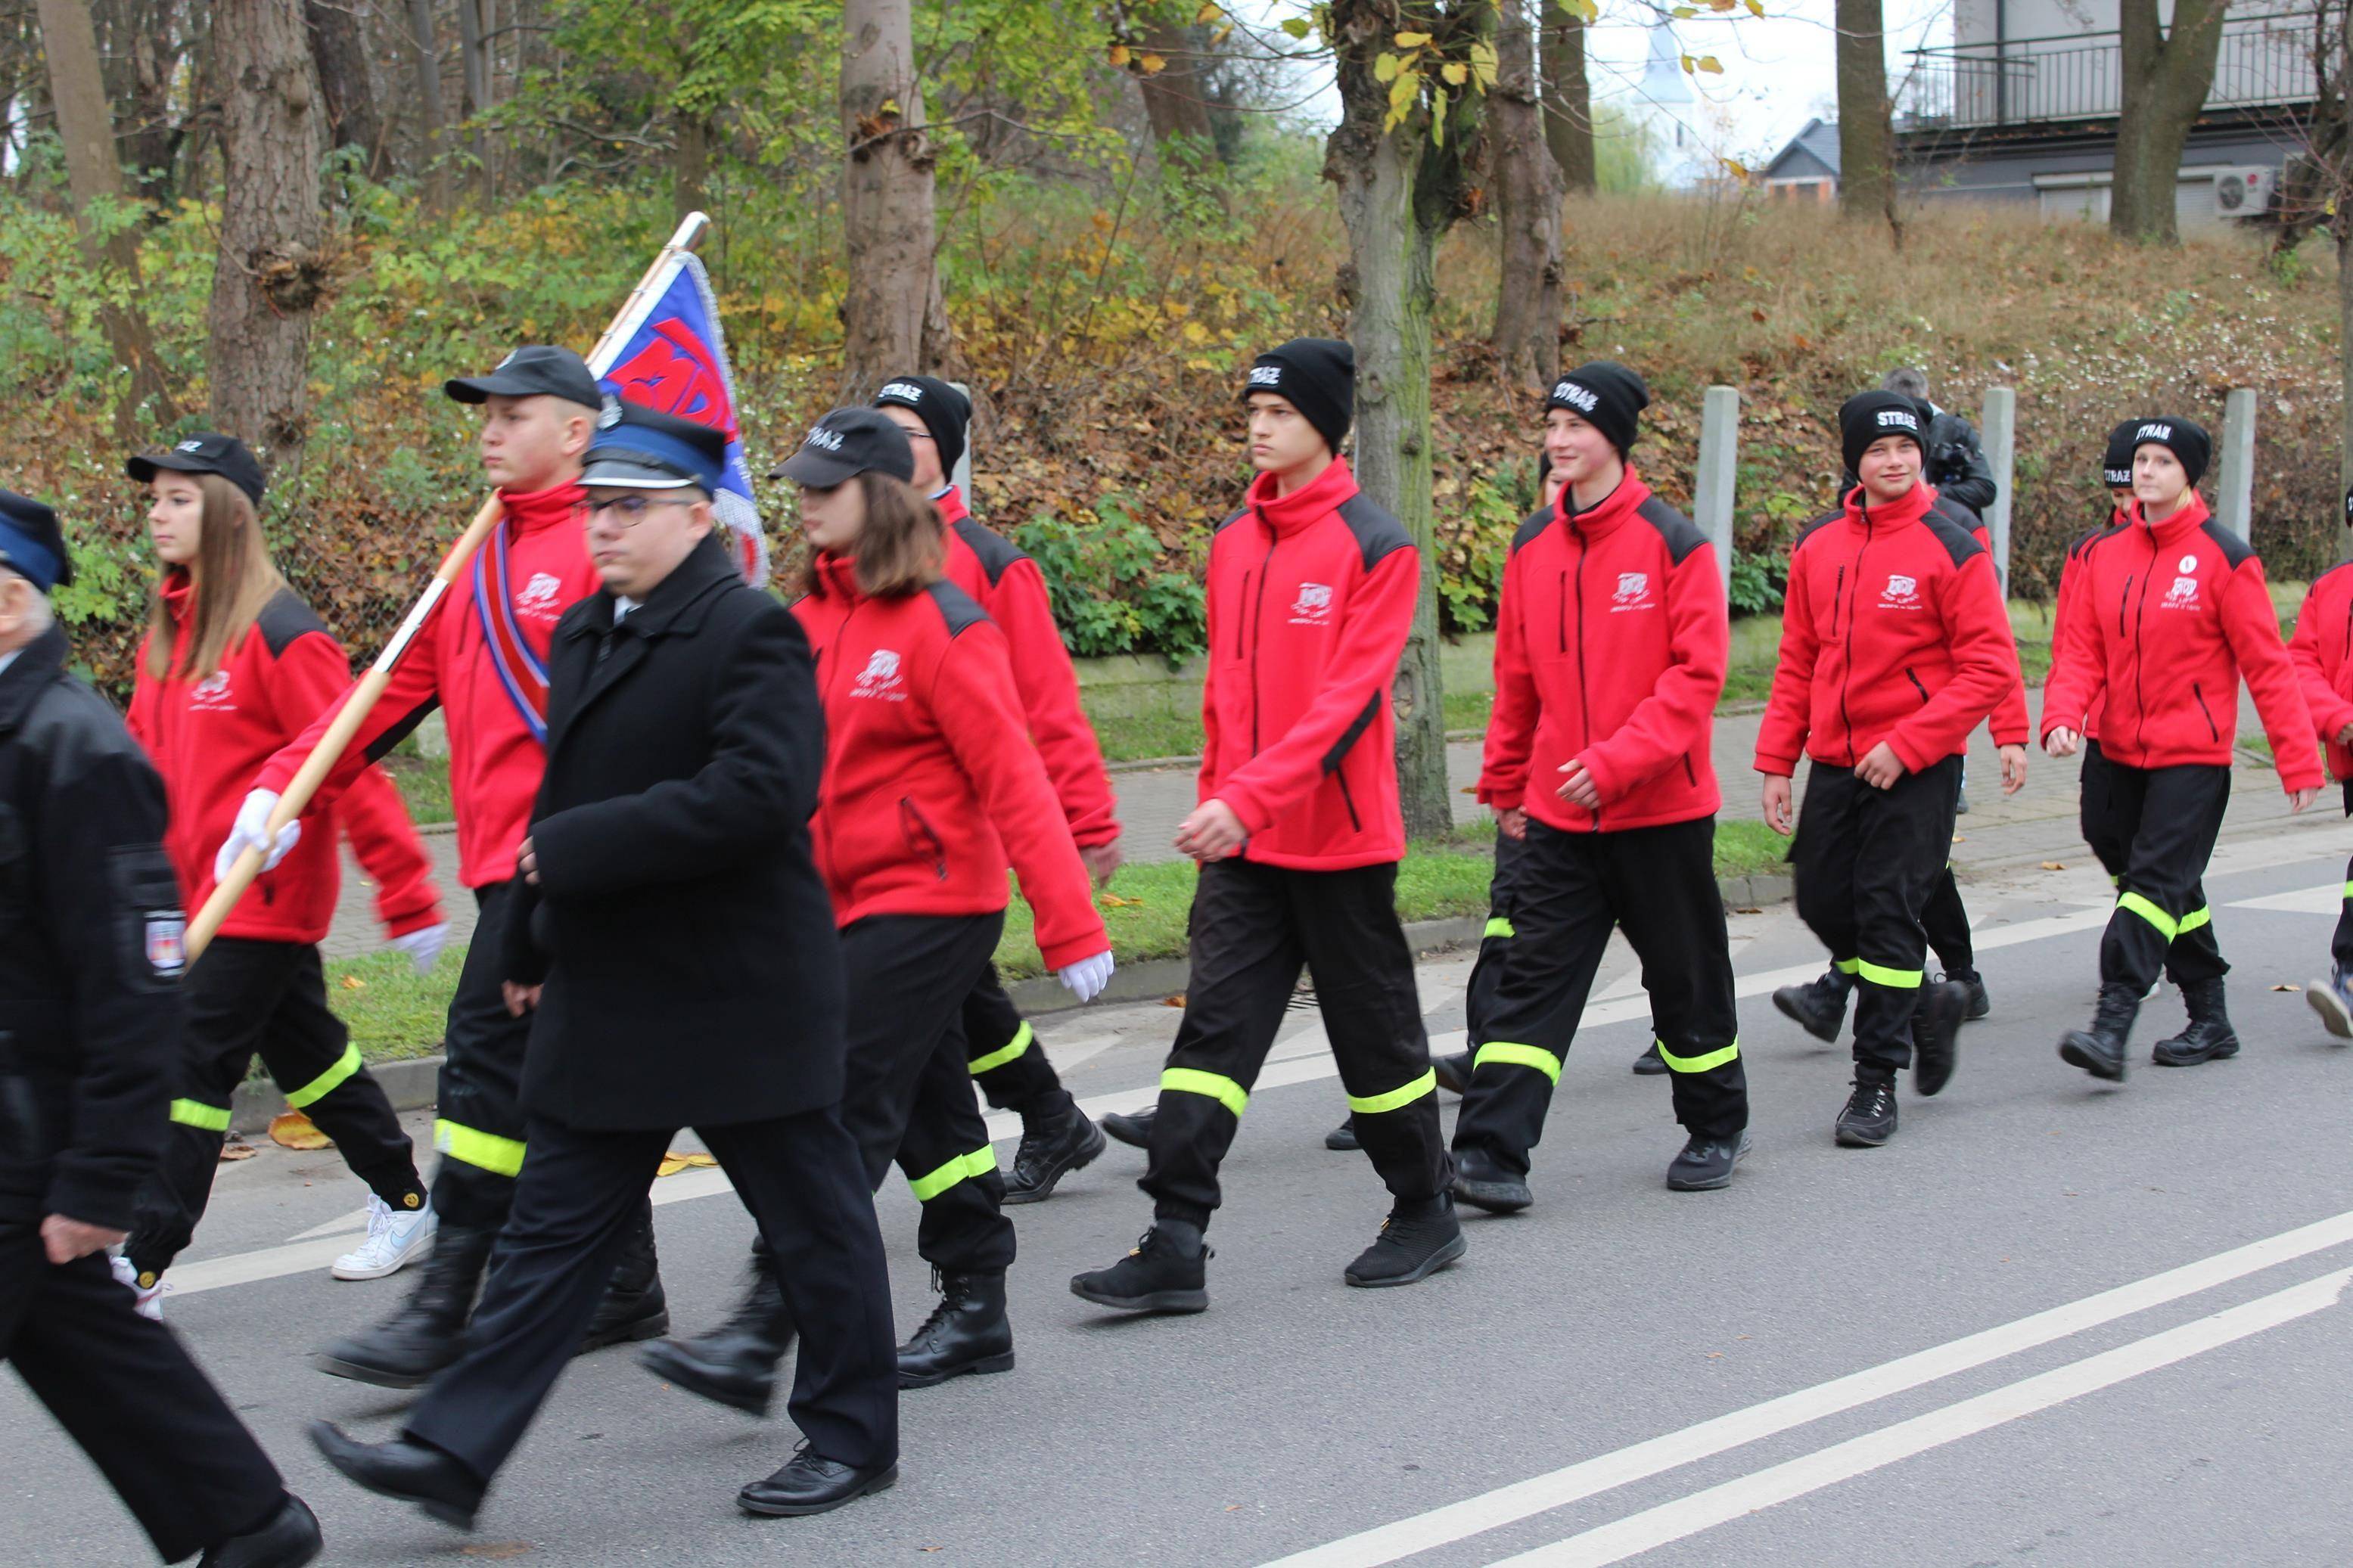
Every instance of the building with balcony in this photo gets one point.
(2021, 107)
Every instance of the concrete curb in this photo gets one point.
(411, 1084)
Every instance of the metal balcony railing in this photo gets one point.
(2028, 81)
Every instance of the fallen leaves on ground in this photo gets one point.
(2287, 987)
(237, 1152)
(293, 1129)
(673, 1162)
(2055, 865)
(353, 982)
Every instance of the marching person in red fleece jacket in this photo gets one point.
(2322, 651)
(481, 659)
(1311, 594)
(2170, 611)
(1895, 646)
(1008, 1063)
(232, 666)
(1611, 645)
(930, 789)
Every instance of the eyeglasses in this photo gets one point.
(628, 511)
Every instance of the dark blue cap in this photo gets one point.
(640, 448)
(31, 544)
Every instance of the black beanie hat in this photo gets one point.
(1315, 375)
(1868, 415)
(2186, 439)
(945, 412)
(1610, 397)
(2116, 463)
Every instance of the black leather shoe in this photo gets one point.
(1819, 1004)
(1980, 1004)
(734, 1363)
(1157, 1275)
(1936, 1033)
(404, 1468)
(1651, 1064)
(1342, 1140)
(2209, 1038)
(1483, 1181)
(1416, 1241)
(1706, 1162)
(2100, 1049)
(291, 1538)
(1454, 1072)
(1132, 1128)
(968, 1332)
(1869, 1119)
(1061, 1140)
(813, 1484)
(428, 1330)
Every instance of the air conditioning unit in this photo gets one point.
(2244, 192)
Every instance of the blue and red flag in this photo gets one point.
(673, 357)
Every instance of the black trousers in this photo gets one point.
(578, 1192)
(478, 1127)
(2341, 949)
(1252, 928)
(1865, 862)
(1945, 920)
(1487, 969)
(1657, 884)
(265, 998)
(908, 1096)
(2108, 813)
(126, 1391)
(2169, 818)
(1005, 1059)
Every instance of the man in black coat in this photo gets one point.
(678, 944)
(90, 958)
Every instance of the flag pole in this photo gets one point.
(322, 760)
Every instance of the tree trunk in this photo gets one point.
(1866, 141)
(1392, 289)
(339, 51)
(433, 118)
(1527, 202)
(1567, 101)
(892, 319)
(474, 62)
(2165, 81)
(85, 123)
(270, 272)
(690, 163)
(1176, 100)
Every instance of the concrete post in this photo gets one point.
(1719, 456)
(962, 477)
(1999, 437)
(2235, 481)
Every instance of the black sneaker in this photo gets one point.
(1650, 1064)
(1980, 1004)
(1132, 1128)
(1869, 1119)
(1416, 1241)
(1156, 1275)
(1937, 1033)
(1061, 1141)
(1343, 1139)
(1705, 1164)
(1480, 1181)
(1454, 1072)
(1819, 1005)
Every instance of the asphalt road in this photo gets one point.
(2053, 1321)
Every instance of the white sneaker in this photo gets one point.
(394, 1240)
(147, 1300)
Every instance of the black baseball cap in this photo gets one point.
(205, 452)
(535, 370)
(31, 543)
(641, 448)
(845, 443)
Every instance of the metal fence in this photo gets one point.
(2040, 80)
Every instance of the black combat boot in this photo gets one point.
(1651, 1064)
(1166, 1271)
(429, 1329)
(1342, 1140)
(1132, 1128)
(968, 1332)
(1453, 1072)
(1936, 1033)
(2210, 1036)
(1056, 1139)
(734, 1363)
(1819, 1004)
(634, 1307)
(2100, 1050)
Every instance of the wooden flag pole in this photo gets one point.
(313, 772)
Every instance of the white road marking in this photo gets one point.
(342, 1225)
(1607, 1472)
(2328, 899)
(1656, 1527)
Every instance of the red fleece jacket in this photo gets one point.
(2322, 652)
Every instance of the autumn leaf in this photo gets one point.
(1385, 68)
(1119, 57)
(673, 1162)
(1208, 13)
(353, 982)
(1412, 40)
(1711, 65)
(2055, 865)
(1455, 72)
(1683, 13)
(1756, 7)
(230, 1152)
(1153, 65)
(2287, 987)
(1482, 64)
(1402, 91)
(1296, 26)
(293, 1129)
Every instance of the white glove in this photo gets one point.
(251, 833)
(1087, 977)
(423, 946)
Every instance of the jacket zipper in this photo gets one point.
(2139, 631)
(922, 836)
(1264, 572)
(1916, 685)
(1846, 670)
(1564, 610)
(2199, 692)
(1584, 697)
(1241, 621)
(1348, 799)
(1689, 776)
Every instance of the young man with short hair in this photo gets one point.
(1310, 595)
(1895, 646)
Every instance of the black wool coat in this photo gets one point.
(683, 934)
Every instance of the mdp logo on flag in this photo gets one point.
(673, 357)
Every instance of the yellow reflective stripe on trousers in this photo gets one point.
(1880, 975)
(1701, 1062)
(1504, 1053)
(197, 1113)
(2167, 926)
(2193, 920)
(962, 1168)
(1846, 966)
(1498, 926)
(1374, 1104)
(1022, 1038)
(2349, 889)
(486, 1151)
(327, 1082)
(1216, 1085)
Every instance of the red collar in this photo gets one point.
(532, 510)
(951, 508)
(1607, 514)
(2188, 521)
(1910, 506)
(179, 592)
(837, 577)
(1325, 493)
